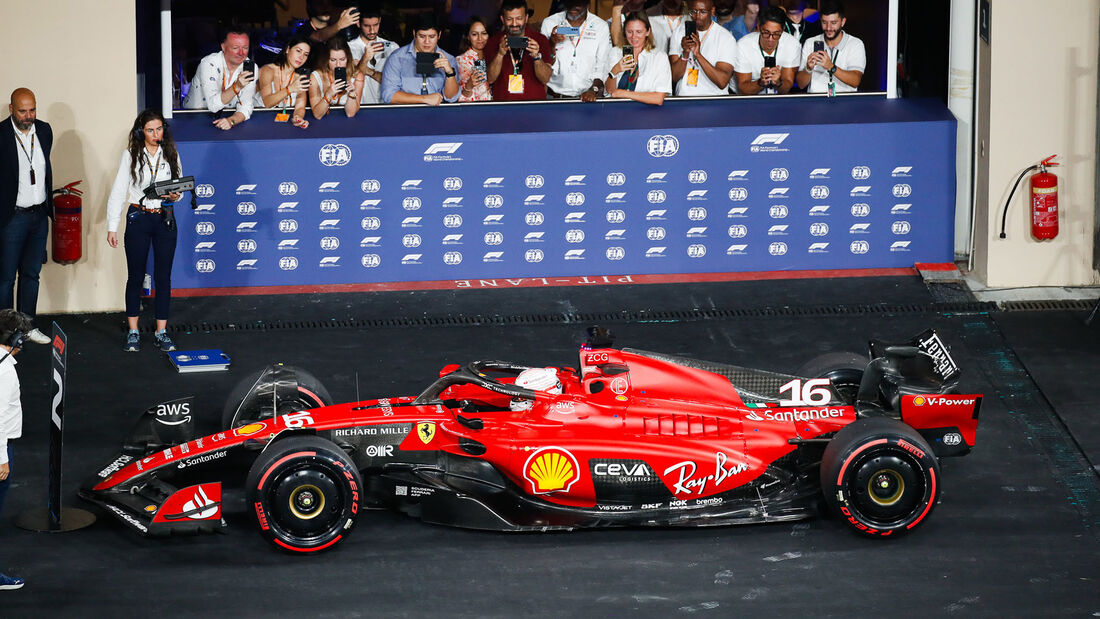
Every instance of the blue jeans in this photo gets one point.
(7, 482)
(22, 252)
(142, 230)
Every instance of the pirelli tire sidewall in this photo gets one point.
(304, 493)
(880, 477)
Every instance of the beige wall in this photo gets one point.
(1042, 101)
(80, 64)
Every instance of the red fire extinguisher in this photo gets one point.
(1044, 201)
(67, 226)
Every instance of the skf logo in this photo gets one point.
(656, 177)
(900, 227)
(662, 146)
(777, 249)
(452, 202)
(574, 254)
(861, 173)
(859, 247)
(245, 189)
(861, 209)
(329, 187)
(330, 261)
(287, 207)
(900, 246)
(736, 250)
(656, 196)
(861, 228)
(452, 239)
(574, 218)
(697, 177)
(901, 209)
(412, 183)
(371, 261)
(820, 173)
(412, 259)
(576, 179)
(737, 174)
(493, 256)
(209, 208)
(370, 205)
(329, 224)
(248, 264)
(779, 175)
(425, 431)
(534, 181)
(778, 229)
(533, 255)
(861, 191)
(820, 209)
(493, 219)
(902, 190)
(778, 192)
(534, 200)
(655, 252)
(819, 248)
(371, 186)
(204, 191)
(551, 469)
(698, 194)
(411, 222)
(739, 194)
(902, 170)
(616, 179)
(452, 258)
(615, 197)
(442, 151)
(769, 142)
(533, 237)
(493, 182)
(291, 243)
(656, 215)
(204, 228)
(205, 265)
(334, 155)
(288, 188)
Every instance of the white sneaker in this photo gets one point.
(38, 337)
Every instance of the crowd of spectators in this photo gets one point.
(686, 48)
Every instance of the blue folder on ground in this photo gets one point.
(213, 360)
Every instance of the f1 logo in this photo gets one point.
(447, 148)
(770, 138)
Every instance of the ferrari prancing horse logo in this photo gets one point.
(426, 431)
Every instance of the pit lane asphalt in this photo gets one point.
(1015, 533)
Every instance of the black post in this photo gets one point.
(60, 357)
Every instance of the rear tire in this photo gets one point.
(843, 369)
(880, 477)
(311, 394)
(305, 494)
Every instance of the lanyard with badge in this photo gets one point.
(153, 165)
(832, 84)
(693, 68)
(515, 80)
(30, 157)
(283, 116)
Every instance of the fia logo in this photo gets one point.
(616, 179)
(738, 231)
(368, 223)
(574, 236)
(494, 238)
(533, 255)
(204, 191)
(900, 227)
(861, 173)
(615, 253)
(534, 218)
(656, 196)
(288, 188)
(697, 250)
(778, 211)
(859, 247)
(819, 192)
(616, 216)
(371, 261)
(575, 198)
(452, 258)
(819, 228)
(246, 208)
(205, 265)
(452, 220)
(861, 209)
(534, 181)
(334, 155)
(411, 240)
(697, 213)
(287, 226)
(452, 183)
(371, 186)
(656, 233)
(778, 248)
(204, 228)
(739, 194)
(697, 176)
(663, 146)
(902, 190)
(779, 174)
(246, 246)
(288, 263)
(330, 206)
(494, 201)
(330, 243)
(411, 203)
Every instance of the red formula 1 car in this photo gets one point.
(632, 438)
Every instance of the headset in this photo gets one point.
(138, 132)
(17, 339)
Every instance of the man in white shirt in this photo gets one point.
(371, 51)
(839, 65)
(14, 327)
(702, 64)
(221, 82)
(769, 45)
(664, 20)
(580, 60)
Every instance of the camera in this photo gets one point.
(517, 42)
(425, 63)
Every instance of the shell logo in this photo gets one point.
(551, 469)
(251, 428)
(919, 400)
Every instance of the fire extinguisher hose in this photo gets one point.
(1004, 214)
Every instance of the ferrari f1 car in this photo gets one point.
(631, 438)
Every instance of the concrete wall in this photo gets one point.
(1042, 81)
(79, 59)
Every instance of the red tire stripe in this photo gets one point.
(855, 453)
(289, 547)
(310, 394)
(931, 500)
(280, 461)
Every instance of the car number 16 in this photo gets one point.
(814, 392)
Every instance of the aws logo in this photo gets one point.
(551, 469)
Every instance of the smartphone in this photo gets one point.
(480, 66)
(568, 31)
(689, 28)
(628, 52)
(378, 47)
(819, 46)
(517, 42)
(769, 62)
(303, 75)
(340, 73)
(249, 66)
(425, 63)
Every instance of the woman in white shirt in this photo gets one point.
(280, 83)
(325, 90)
(645, 76)
(150, 156)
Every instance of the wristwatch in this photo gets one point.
(451, 74)
(536, 58)
(832, 71)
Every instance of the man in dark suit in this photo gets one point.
(26, 204)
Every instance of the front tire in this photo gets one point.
(305, 494)
(880, 476)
